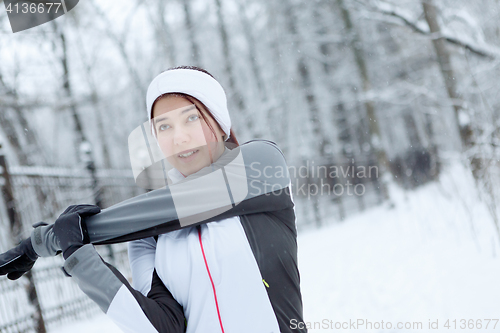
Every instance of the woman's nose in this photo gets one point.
(181, 135)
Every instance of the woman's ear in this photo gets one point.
(221, 131)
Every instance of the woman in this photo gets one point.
(225, 259)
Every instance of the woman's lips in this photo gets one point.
(191, 154)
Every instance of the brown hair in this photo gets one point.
(232, 138)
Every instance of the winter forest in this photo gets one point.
(387, 113)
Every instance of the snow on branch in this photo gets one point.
(486, 51)
(33, 103)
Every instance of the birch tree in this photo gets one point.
(188, 18)
(228, 61)
(373, 123)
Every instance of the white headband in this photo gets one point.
(193, 83)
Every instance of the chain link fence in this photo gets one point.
(47, 298)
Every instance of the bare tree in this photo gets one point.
(163, 33)
(373, 123)
(236, 95)
(339, 113)
(447, 72)
(195, 49)
(324, 149)
(96, 104)
(32, 153)
(252, 49)
(279, 102)
(120, 42)
(68, 91)
(462, 117)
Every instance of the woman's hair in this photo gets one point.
(232, 138)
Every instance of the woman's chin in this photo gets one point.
(189, 167)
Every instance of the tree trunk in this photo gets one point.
(478, 165)
(16, 228)
(443, 57)
(237, 97)
(306, 85)
(324, 144)
(373, 123)
(280, 102)
(195, 49)
(33, 155)
(338, 111)
(134, 75)
(81, 137)
(163, 34)
(96, 105)
(80, 134)
(252, 47)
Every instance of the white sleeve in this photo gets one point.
(130, 309)
(141, 254)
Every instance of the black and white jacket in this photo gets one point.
(231, 268)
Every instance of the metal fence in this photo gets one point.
(46, 297)
(60, 298)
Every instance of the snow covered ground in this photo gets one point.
(433, 256)
(413, 263)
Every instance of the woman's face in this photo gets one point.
(184, 137)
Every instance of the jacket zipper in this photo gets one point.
(210, 276)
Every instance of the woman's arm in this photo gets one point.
(132, 311)
(141, 256)
(253, 178)
(154, 310)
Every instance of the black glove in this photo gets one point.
(18, 260)
(70, 228)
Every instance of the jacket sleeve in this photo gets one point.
(131, 310)
(141, 256)
(252, 178)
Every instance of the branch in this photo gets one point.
(476, 49)
(7, 101)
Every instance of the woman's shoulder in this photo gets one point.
(260, 142)
(261, 146)
(148, 243)
(264, 157)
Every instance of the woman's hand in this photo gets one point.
(18, 260)
(70, 228)
(71, 234)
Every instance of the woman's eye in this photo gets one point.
(163, 127)
(193, 117)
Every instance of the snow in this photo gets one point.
(97, 324)
(433, 256)
(415, 262)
